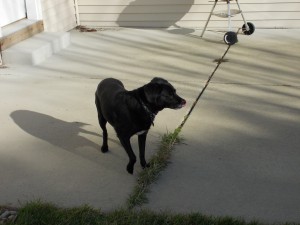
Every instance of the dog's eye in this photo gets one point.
(169, 93)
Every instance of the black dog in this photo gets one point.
(133, 112)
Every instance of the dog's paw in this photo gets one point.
(145, 165)
(104, 149)
(130, 168)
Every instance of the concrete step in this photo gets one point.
(19, 31)
(36, 49)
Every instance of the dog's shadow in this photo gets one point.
(57, 132)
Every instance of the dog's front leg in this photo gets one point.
(132, 158)
(142, 145)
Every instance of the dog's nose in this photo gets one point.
(183, 102)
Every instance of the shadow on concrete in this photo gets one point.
(57, 132)
(151, 15)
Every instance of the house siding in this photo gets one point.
(58, 15)
(186, 13)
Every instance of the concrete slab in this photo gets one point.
(50, 135)
(37, 49)
(241, 153)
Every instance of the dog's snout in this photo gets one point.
(183, 102)
(180, 103)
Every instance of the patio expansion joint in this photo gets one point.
(219, 62)
(147, 177)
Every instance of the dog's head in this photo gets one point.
(162, 94)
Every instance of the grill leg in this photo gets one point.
(229, 15)
(216, 1)
(245, 22)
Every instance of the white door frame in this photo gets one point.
(34, 11)
(11, 11)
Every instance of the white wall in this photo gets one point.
(186, 13)
(58, 15)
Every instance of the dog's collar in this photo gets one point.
(151, 114)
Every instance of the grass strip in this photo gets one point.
(158, 162)
(39, 213)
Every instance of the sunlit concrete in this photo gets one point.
(36, 49)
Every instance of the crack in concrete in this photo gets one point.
(138, 197)
(219, 62)
(141, 198)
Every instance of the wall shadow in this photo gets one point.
(65, 135)
(152, 12)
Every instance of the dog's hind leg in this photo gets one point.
(142, 145)
(102, 123)
(132, 158)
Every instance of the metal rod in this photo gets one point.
(229, 15)
(216, 1)
(246, 24)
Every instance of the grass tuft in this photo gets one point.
(157, 163)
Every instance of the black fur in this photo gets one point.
(133, 112)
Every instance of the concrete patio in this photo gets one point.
(241, 152)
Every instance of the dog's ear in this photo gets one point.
(159, 80)
(152, 90)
